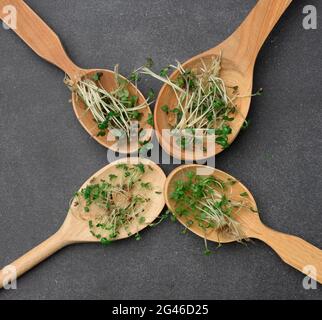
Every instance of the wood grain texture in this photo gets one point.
(75, 228)
(239, 53)
(294, 251)
(40, 37)
(45, 42)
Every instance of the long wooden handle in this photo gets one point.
(296, 252)
(38, 36)
(248, 39)
(32, 258)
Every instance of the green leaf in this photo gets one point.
(112, 177)
(226, 118)
(141, 220)
(226, 130)
(244, 194)
(122, 166)
(165, 108)
(146, 185)
(141, 167)
(164, 72)
(149, 63)
(137, 237)
(97, 76)
(103, 125)
(151, 94)
(218, 104)
(222, 141)
(134, 100)
(175, 110)
(105, 241)
(150, 120)
(135, 77)
(136, 115)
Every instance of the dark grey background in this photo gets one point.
(45, 155)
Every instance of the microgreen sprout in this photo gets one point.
(150, 120)
(119, 201)
(209, 202)
(203, 102)
(145, 147)
(162, 218)
(117, 109)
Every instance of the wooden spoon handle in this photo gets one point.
(248, 39)
(32, 258)
(296, 252)
(39, 37)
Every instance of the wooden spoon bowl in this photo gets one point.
(75, 228)
(90, 125)
(44, 42)
(239, 54)
(294, 251)
(180, 173)
(233, 76)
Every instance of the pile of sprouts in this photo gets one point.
(203, 108)
(209, 203)
(121, 200)
(117, 111)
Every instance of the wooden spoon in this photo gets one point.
(75, 229)
(293, 250)
(39, 37)
(239, 53)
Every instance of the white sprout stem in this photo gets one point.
(102, 103)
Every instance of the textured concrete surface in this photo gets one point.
(45, 155)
